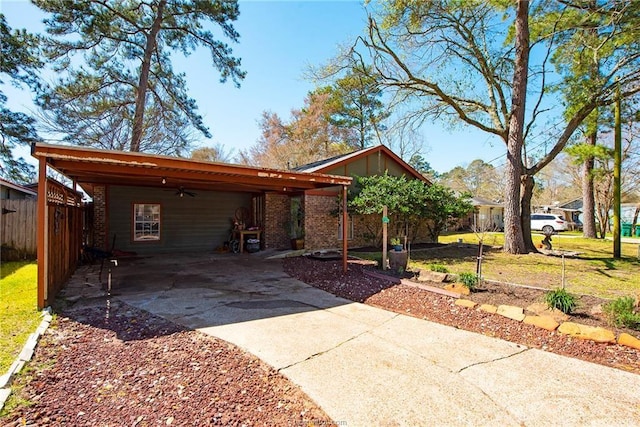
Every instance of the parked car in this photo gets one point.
(548, 223)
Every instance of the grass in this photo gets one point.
(593, 272)
(19, 316)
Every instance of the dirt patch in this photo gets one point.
(357, 286)
(127, 367)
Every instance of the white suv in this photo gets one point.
(548, 223)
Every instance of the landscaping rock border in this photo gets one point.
(548, 322)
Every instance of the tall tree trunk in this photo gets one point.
(588, 197)
(143, 81)
(513, 237)
(528, 183)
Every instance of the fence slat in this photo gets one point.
(18, 228)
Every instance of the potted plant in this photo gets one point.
(397, 245)
(296, 225)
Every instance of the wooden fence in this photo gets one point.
(64, 235)
(18, 229)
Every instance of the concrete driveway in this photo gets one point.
(366, 366)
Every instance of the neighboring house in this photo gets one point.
(11, 191)
(571, 211)
(323, 227)
(18, 221)
(486, 216)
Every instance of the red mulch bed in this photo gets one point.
(134, 369)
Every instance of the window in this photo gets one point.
(146, 222)
(349, 228)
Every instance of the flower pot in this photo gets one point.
(297, 244)
(398, 260)
(397, 248)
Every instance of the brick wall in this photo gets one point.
(100, 217)
(277, 213)
(320, 222)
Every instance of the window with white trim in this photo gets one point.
(349, 228)
(146, 222)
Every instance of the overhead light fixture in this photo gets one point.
(164, 180)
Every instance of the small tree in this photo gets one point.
(442, 206)
(413, 205)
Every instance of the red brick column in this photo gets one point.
(277, 213)
(100, 217)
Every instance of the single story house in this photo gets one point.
(487, 215)
(151, 204)
(571, 211)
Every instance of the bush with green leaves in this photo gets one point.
(561, 299)
(438, 268)
(621, 312)
(470, 280)
(413, 205)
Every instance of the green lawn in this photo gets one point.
(593, 272)
(19, 316)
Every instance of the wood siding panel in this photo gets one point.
(188, 224)
(374, 164)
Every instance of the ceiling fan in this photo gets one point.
(181, 192)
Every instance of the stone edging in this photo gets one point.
(576, 330)
(25, 355)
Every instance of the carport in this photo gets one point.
(93, 170)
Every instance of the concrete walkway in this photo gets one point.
(370, 367)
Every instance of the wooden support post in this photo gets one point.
(42, 238)
(384, 237)
(345, 219)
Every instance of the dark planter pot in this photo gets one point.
(398, 260)
(397, 248)
(297, 244)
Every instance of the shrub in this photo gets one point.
(620, 312)
(561, 300)
(470, 280)
(438, 268)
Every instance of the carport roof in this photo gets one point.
(90, 166)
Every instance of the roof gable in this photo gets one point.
(333, 163)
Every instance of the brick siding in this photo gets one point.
(320, 222)
(277, 212)
(100, 217)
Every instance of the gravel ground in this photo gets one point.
(129, 368)
(354, 285)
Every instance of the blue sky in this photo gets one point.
(279, 40)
